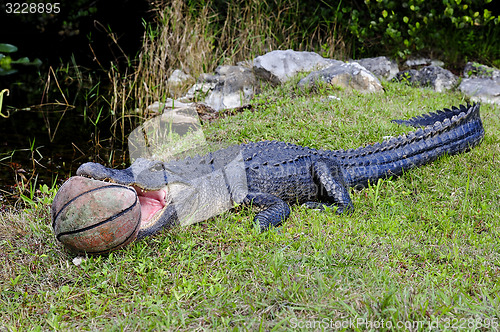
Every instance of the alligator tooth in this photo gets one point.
(454, 118)
(438, 125)
(446, 122)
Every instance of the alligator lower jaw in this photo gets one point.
(152, 203)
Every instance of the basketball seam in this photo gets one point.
(98, 224)
(117, 246)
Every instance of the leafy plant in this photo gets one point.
(406, 27)
(6, 61)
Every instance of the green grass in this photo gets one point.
(423, 247)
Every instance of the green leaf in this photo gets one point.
(22, 61)
(7, 48)
(5, 61)
(384, 13)
(406, 19)
(26, 61)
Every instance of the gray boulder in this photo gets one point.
(381, 66)
(198, 91)
(435, 77)
(279, 66)
(477, 70)
(346, 75)
(481, 83)
(481, 89)
(178, 78)
(420, 62)
(235, 87)
(169, 104)
(228, 87)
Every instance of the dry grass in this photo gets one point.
(197, 41)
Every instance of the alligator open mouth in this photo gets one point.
(152, 203)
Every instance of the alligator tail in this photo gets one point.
(445, 132)
(433, 117)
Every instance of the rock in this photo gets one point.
(347, 75)
(169, 103)
(437, 78)
(409, 76)
(279, 66)
(481, 83)
(198, 91)
(236, 86)
(208, 78)
(178, 78)
(419, 62)
(381, 66)
(481, 89)
(474, 69)
(228, 87)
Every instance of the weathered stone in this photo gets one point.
(228, 87)
(409, 76)
(481, 89)
(419, 62)
(208, 78)
(435, 77)
(279, 66)
(346, 75)
(474, 69)
(169, 103)
(198, 91)
(381, 66)
(438, 78)
(178, 77)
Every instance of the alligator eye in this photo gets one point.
(157, 168)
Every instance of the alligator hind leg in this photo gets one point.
(332, 188)
(273, 210)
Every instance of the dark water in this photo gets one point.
(42, 140)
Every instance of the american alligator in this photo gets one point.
(270, 175)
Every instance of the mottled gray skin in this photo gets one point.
(279, 174)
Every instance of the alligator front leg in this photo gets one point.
(272, 210)
(332, 187)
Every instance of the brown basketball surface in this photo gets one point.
(94, 216)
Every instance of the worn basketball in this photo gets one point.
(95, 217)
